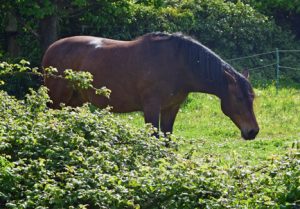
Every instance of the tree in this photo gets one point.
(285, 13)
(231, 28)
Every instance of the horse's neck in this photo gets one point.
(210, 87)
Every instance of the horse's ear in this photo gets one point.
(230, 78)
(246, 74)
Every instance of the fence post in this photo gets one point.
(277, 70)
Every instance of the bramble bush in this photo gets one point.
(8, 72)
(15, 81)
(84, 158)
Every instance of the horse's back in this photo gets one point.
(70, 52)
(106, 59)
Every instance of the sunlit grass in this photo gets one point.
(204, 130)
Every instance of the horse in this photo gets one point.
(153, 73)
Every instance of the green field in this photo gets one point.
(202, 128)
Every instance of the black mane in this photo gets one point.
(201, 60)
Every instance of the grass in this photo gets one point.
(204, 131)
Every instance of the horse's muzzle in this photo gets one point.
(250, 134)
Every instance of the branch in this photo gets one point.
(78, 12)
(23, 24)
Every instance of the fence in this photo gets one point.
(277, 65)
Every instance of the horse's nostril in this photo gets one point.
(252, 133)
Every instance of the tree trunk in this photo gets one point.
(48, 31)
(11, 31)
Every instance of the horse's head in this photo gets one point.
(237, 103)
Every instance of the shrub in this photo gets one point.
(79, 158)
(14, 79)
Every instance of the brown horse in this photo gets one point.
(154, 74)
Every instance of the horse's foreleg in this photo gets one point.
(167, 118)
(151, 114)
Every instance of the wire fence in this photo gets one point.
(251, 56)
(278, 60)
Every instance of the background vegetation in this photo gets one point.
(231, 28)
